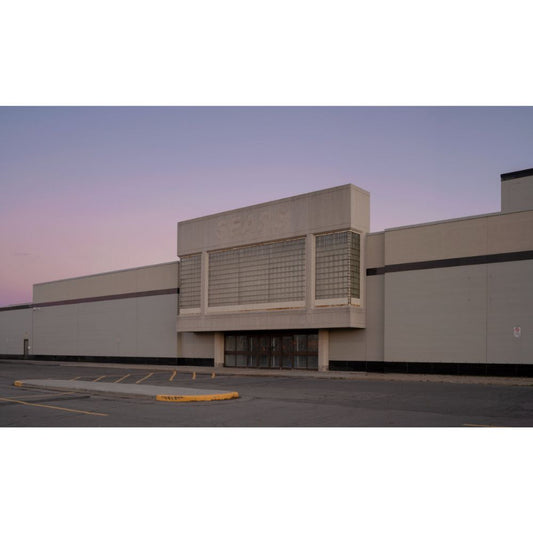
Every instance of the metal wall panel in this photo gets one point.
(510, 306)
(137, 327)
(141, 279)
(436, 315)
(15, 326)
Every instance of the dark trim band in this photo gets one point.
(517, 174)
(16, 307)
(94, 299)
(457, 369)
(453, 262)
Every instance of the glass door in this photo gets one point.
(287, 351)
(290, 349)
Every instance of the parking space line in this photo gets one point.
(477, 425)
(173, 376)
(98, 379)
(53, 407)
(74, 379)
(123, 377)
(145, 377)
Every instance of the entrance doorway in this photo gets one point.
(284, 349)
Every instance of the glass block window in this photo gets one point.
(337, 265)
(263, 273)
(190, 281)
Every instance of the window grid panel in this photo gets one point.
(263, 273)
(337, 265)
(190, 281)
(355, 265)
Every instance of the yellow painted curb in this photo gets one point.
(18, 383)
(198, 398)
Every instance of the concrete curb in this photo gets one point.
(197, 398)
(153, 392)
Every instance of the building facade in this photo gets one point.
(301, 283)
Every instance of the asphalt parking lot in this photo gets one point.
(286, 400)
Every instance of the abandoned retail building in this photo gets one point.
(301, 283)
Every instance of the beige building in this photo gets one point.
(301, 283)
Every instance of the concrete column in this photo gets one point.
(310, 271)
(219, 349)
(204, 280)
(323, 350)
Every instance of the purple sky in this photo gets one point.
(86, 190)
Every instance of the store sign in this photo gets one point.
(517, 332)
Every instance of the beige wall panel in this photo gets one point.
(153, 277)
(107, 328)
(517, 194)
(55, 330)
(297, 216)
(157, 277)
(375, 250)
(445, 240)
(15, 326)
(510, 304)
(156, 326)
(85, 287)
(375, 316)
(489, 234)
(510, 233)
(198, 345)
(360, 215)
(436, 315)
(135, 327)
(362, 344)
(347, 345)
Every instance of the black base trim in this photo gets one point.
(106, 359)
(457, 369)
(179, 361)
(517, 174)
(196, 361)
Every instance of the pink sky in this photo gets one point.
(86, 190)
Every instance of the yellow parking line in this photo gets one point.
(173, 376)
(123, 377)
(74, 379)
(477, 425)
(98, 379)
(53, 407)
(145, 377)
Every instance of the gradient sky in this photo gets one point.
(92, 189)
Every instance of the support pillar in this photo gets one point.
(219, 349)
(323, 350)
